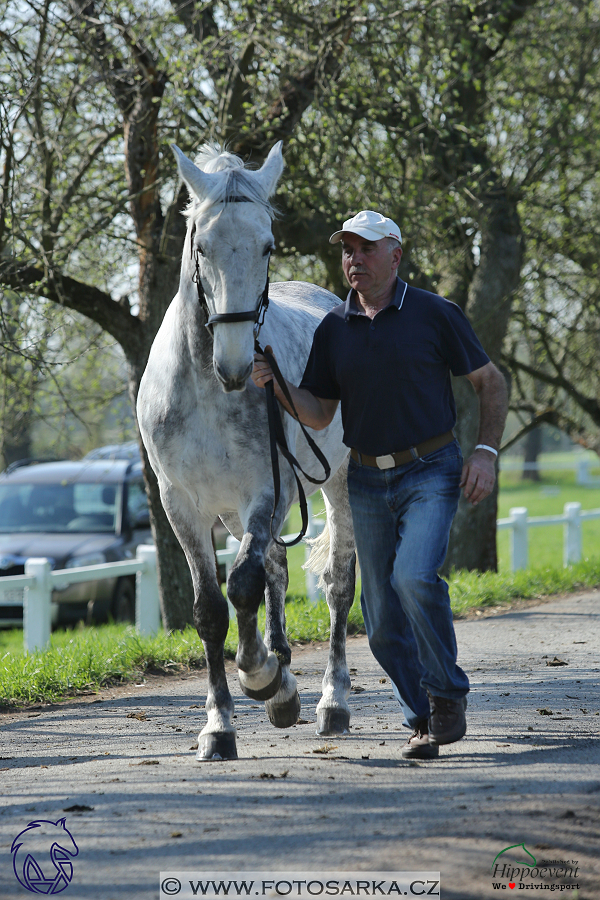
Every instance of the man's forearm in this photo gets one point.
(309, 408)
(493, 409)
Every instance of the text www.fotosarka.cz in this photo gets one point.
(239, 885)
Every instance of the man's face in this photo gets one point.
(369, 266)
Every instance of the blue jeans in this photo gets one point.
(402, 518)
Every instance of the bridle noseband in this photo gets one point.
(277, 438)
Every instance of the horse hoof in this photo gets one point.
(272, 671)
(216, 746)
(333, 721)
(284, 715)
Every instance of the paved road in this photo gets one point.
(528, 772)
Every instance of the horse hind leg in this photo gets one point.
(333, 712)
(284, 708)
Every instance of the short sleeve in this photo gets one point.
(318, 376)
(460, 345)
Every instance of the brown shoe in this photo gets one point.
(447, 720)
(418, 746)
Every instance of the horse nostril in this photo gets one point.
(232, 382)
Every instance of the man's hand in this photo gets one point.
(478, 476)
(313, 411)
(262, 371)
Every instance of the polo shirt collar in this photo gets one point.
(352, 307)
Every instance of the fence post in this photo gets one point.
(519, 550)
(572, 534)
(315, 527)
(37, 606)
(583, 472)
(147, 600)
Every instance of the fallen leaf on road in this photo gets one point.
(326, 748)
(357, 689)
(557, 662)
(176, 834)
(77, 807)
(146, 762)
(545, 712)
(141, 716)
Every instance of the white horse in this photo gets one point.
(204, 424)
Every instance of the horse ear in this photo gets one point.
(270, 172)
(199, 183)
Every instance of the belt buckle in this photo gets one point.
(385, 462)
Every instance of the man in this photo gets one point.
(387, 354)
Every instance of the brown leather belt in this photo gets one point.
(390, 460)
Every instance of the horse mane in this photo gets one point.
(237, 181)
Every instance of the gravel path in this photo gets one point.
(527, 772)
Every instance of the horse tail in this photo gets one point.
(319, 554)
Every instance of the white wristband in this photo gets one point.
(485, 447)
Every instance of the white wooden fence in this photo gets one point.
(39, 579)
(519, 523)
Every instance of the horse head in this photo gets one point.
(228, 246)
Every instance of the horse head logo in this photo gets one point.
(41, 856)
(530, 862)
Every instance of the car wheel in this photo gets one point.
(123, 604)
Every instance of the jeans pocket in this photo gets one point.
(448, 452)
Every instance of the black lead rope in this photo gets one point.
(277, 438)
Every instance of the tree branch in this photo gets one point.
(83, 298)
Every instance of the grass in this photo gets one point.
(85, 659)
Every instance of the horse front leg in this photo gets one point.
(211, 618)
(259, 670)
(333, 712)
(284, 708)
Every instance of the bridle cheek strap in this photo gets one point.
(277, 439)
(250, 315)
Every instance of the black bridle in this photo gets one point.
(276, 430)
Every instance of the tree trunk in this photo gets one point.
(473, 536)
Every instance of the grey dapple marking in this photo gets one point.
(204, 424)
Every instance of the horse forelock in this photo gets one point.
(236, 181)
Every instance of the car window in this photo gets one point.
(58, 508)
(136, 500)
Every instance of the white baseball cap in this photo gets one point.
(370, 225)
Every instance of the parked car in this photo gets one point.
(75, 514)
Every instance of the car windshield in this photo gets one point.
(58, 508)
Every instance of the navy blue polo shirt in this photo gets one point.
(392, 373)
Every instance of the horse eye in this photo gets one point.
(268, 249)
(199, 250)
